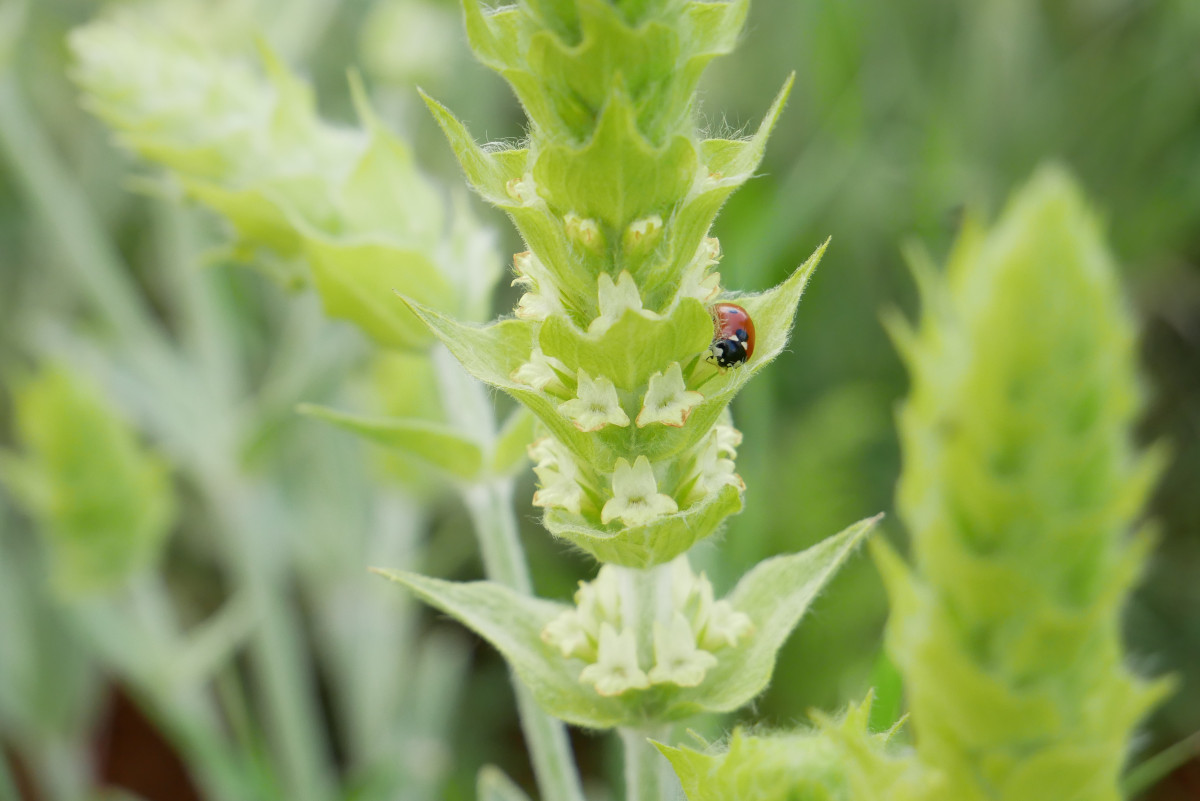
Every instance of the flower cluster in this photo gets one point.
(632, 493)
(687, 629)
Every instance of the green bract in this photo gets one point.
(103, 503)
(1020, 486)
(840, 760)
(614, 194)
(630, 653)
(345, 208)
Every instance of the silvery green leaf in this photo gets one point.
(435, 444)
(775, 595)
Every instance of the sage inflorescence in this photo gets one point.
(614, 192)
(1020, 486)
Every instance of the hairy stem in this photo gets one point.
(490, 505)
(648, 776)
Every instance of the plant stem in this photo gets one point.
(490, 507)
(62, 205)
(1157, 767)
(489, 503)
(277, 652)
(648, 775)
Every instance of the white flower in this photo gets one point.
(559, 489)
(677, 660)
(712, 470)
(616, 668)
(697, 282)
(542, 299)
(567, 634)
(692, 596)
(728, 440)
(614, 299)
(595, 406)
(725, 627)
(599, 601)
(540, 371)
(536, 306)
(636, 499)
(668, 400)
(558, 475)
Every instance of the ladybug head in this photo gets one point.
(729, 352)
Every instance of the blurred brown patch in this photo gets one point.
(133, 755)
(1182, 785)
(19, 775)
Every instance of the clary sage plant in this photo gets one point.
(609, 348)
(1019, 482)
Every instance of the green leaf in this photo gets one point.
(103, 502)
(358, 282)
(491, 353)
(651, 544)
(493, 785)
(385, 192)
(433, 443)
(1021, 482)
(488, 172)
(618, 176)
(512, 622)
(634, 347)
(775, 595)
(773, 312)
(839, 761)
(728, 163)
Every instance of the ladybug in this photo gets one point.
(733, 335)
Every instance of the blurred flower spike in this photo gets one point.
(345, 209)
(104, 504)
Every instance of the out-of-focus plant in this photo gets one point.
(1020, 487)
(104, 504)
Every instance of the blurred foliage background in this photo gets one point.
(904, 114)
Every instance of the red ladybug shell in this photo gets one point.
(731, 321)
